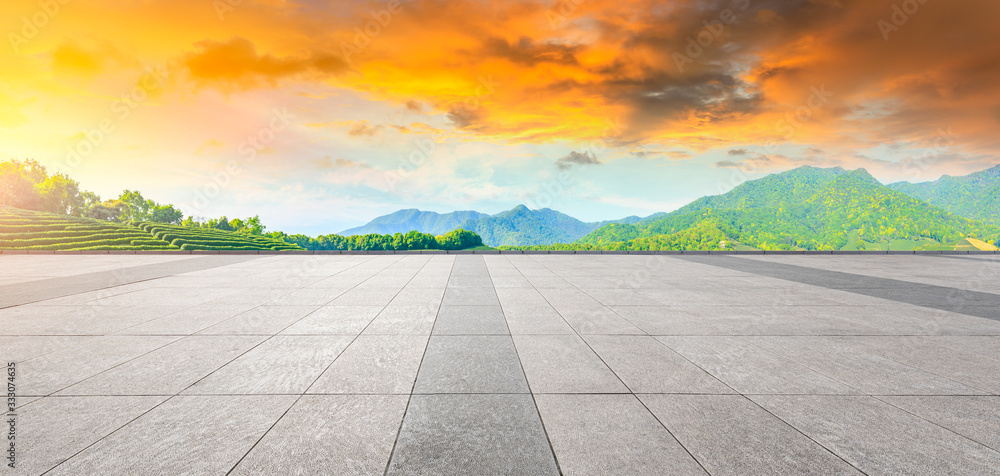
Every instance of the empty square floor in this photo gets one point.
(502, 364)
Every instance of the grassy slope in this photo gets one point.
(31, 230)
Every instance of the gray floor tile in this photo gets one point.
(330, 434)
(666, 321)
(412, 296)
(878, 438)
(472, 435)
(263, 320)
(976, 418)
(610, 434)
(196, 435)
(470, 320)
(281, 365)
(540, 319)
(335, 320)
(824, 331)
(471, 364)
(404, 320)
(564, 364)
(56, 370)
(747, 368)
(730, 435)
(169, 369)
(470, 297)
(977, 370)
(375, 364)
(52, 429)
(463, 281)
(21, 348)
(867, 372)
(648, 366)
(188, 321)
(596, 320)
(365, 297)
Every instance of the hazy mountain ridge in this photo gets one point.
(409, 219)
(519, 226)
(802, 208)
(522, 225)
(975, 196)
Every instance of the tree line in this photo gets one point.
(28, 185)
(412, 240)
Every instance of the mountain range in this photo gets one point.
(803, 208)
(518, 226)
(975, 196)
(403, 221)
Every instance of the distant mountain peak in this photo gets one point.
(975, 196)
(863, 174)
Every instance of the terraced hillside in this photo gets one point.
(31, 230)
(188, 238)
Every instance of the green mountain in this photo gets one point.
(516, 227)
(805, 208)
(975, 196)
(520, 226)
(403, 221)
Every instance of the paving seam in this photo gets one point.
(147, 272)
(116, 430)
(498, 305)
(820, 271)
(814, 277)
(406, 409)
(172, 396)
(708, 373)
(937, 424)
(306, 391)
(630, 392)
(991, 260)
(521, 364)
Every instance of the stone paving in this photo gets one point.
(503, 364)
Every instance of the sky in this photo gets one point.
(320, 115)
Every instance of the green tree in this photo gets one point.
(17, 183)
(137, 208)
(459, 240)
(166, 214)
(253, 226)
(221, 223)
(59, 194)
(110, 210)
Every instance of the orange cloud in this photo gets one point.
(236, 63)
(685, 74)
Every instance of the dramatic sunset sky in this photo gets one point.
(596, 108)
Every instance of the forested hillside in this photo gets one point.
(975, 196)
(523, 226)
(805, 208)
